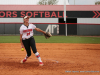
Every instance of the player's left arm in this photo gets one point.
(46, 34)
(39, 30)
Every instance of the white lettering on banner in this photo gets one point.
(57, 29)
(51, 28)
(48, 28)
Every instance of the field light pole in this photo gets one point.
(47, 2)
(74, 2)
(65, 17)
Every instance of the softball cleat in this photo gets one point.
(41, 64)
(22, 61)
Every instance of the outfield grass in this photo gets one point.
(53, 39)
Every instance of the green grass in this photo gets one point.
(53, 39)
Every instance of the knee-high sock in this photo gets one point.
(26, 57)
(38, 56)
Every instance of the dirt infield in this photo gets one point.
(58, 59)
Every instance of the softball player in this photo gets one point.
(27, 39)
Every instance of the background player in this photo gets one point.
(27, 39)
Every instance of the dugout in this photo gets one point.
(51, 15)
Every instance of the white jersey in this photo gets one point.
(27, 32)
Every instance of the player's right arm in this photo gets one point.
(21, 41)
(21, 33)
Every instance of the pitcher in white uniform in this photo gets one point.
(27, 39)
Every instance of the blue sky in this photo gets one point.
(34, 2)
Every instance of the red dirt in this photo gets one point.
(58, 58)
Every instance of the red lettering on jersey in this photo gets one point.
(29, 13)
(28, 30)
(47, 14)
(35, 13)
(22, 14)
(41, 12)
(8, 14)
(2, 13)
(28, 33)
(14, 14)
(24, 31)
(53, 14)
(59, 15)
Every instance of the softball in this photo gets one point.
(22, 49)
